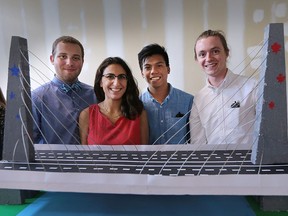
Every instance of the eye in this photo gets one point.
(122, 77)
(62, 56)
(76, 58)
(160, 65)
(216, 51)
(201, 54)
(109, 76)
(147, 68)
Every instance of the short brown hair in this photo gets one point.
(212, 33)
(67, 39)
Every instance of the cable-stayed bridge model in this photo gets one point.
(259, 168)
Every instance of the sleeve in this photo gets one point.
(36, 114)
(197, 131)
(188, 137)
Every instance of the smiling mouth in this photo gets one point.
(115, 90)
(210, 65)
(154, 78)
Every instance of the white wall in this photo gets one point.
(122, 28)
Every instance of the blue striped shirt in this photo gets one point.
(56, 113)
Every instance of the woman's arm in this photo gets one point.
(144, 128)
(84, 125)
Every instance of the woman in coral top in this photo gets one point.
(119, 117)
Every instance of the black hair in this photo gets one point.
(152, 49)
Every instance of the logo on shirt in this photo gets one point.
(235, 104)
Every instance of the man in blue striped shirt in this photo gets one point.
(56, 105)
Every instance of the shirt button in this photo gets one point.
(161, 121)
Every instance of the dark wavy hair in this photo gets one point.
(152, 49)
(212, 33)
(131, 105)
(2, 99)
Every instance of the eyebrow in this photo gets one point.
(217, 47)
(159, 62)
(213, 48)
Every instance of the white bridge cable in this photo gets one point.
(215, 148)
(59, 136)
(154, 153)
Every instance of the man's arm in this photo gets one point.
(197, 131)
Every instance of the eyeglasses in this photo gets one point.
(112, 77)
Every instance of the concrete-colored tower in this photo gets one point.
(271, 145)
(18, 143)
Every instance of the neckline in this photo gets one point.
(112, 118)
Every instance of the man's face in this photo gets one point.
(155, 71)
(67, 61)
(211, 56)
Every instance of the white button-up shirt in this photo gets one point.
(226, 114)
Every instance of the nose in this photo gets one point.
(208, 55)
(69, 61)
(153, 70)
(116, 81)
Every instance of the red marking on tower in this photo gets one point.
(281, 78)
(271, 105)
(276, 47)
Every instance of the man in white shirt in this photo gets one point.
(223, 111)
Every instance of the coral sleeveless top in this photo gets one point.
(103, 132)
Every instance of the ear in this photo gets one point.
(168, 70)
(142, 74)
(52, 59)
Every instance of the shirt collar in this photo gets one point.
(171, 89)
(64, 87)
(222, 85)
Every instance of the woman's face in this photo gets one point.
(114, 82)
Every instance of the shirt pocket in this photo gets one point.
(232, 118)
